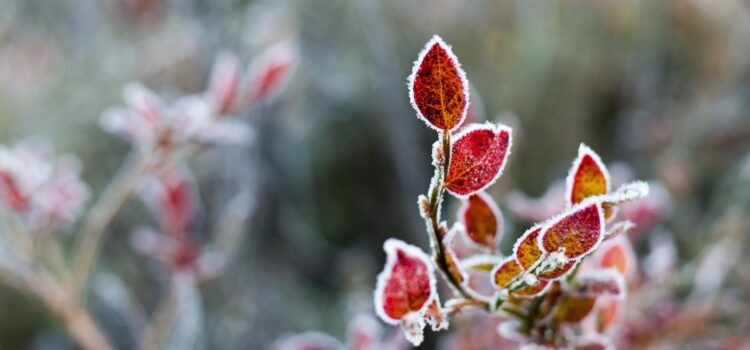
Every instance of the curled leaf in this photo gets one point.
(438, 88)
(481, 217)
(478, 155)
(576, 232)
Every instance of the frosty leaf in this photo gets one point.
(270, 72)
(617, 253)
(576, 232)
(573, 309)
(526, 249)
(481, 217)
(608, 312)
(618, 228)
(626, 193)
(174, 198)
(588, 177)
(478, 155)
(438, 88)
(363, 333)
(506, 272)
(224, 85)
(484, 263)
(144, 103)
(559, 271)
(407, 283)
(533, 290)
(600, 283)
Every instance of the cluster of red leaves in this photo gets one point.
(204, 118)
(194, 120)
(546, 264)
(43, 193)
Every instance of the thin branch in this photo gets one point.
(114, 197)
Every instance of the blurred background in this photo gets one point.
(339, 157)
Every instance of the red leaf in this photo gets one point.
(407, 283)
(270, 72)
(532, 291)
(588, 177)
(478, 156)
(526, 249)
(558, 272)
(438, 88)
(224, 86)
(576, 232)
(175, 201)
(600, 283)
(481, 217)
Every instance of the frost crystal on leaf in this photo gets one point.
(438, 88)
(405, 288)
(478, 156)
(482, 219)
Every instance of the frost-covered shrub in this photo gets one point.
(41, 196)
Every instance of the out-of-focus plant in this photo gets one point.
(42, 196)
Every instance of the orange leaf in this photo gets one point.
(576, 232)
(506, 272)
(481, 217)
(527, 250)
(438, 88)
(588, 177)
(478, 155)
(573, 309)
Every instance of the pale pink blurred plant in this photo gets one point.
(41, 195)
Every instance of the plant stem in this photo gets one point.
(433, 221)
(100, 216)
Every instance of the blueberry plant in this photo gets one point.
(561, 270)
(42, 196)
